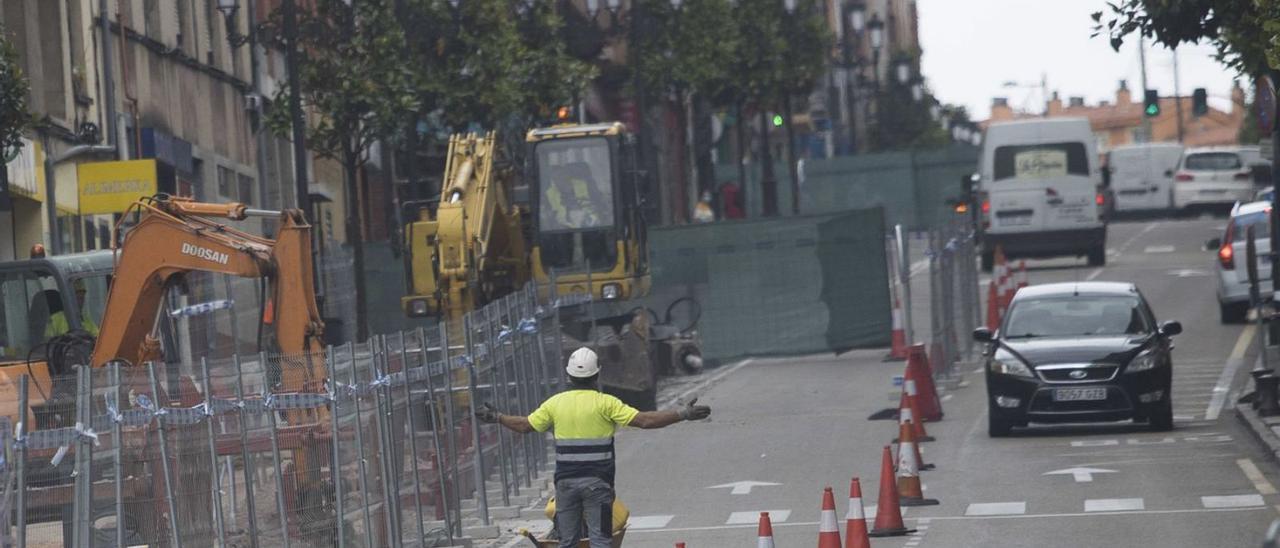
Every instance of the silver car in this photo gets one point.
(1233, 274)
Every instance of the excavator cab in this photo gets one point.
(588, 231)
(44, 297)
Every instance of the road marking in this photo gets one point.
(1158, 249)
(1124, 246)
(1232, 501)
(870, 510)
(946, 398)
(1188, 273)
(753, 517)
(648, 522)
(1252, 472)
(1229, 372)
(1112, 505)
(1093, 275)
(996, 509)
(743, 487)
(1094, 443)
(707, 383)
(755, 521)
(1081, 474)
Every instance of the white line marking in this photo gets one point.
(1124, 246)
(1229, 372)
(870, 510)
(1097, 272)
(1232, 501)
(1081, 474)
(753, 517)
(996, 509)
(1158, 249)
(1094, 443)
(707, 383)
(946, 397)
(649, 522)
(1112, 505)
(1252, 472)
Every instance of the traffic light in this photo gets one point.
(1199, 102)
(777, 120)
(1151, 103)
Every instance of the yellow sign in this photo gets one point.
(109, 187)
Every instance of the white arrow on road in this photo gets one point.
(1080, 473)
(743, 487)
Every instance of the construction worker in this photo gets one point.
(584, 420)
(58, 323)
(575, 200)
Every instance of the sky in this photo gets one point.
(972, 47)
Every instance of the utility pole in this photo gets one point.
(1142, 62)
(1177, 94)
(300, 178)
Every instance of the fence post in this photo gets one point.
(441, 477)
(413, 431)
(21, 442)
(335, 395)
(117, 420)
(267, 398)
(904, 276)
(449, 416)
(213, 454)
(499, 386)
(82, 507)
(383, 408)
(158, 412)
(364, 482)
(522, 381)
(250, 464)
(482, 496)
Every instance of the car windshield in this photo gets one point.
(1076, 316)
(1212, 161)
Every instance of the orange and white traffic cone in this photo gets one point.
(910, 492)
(855, 522)
(908, 412)
(765, 532)
(928, 404)
(897, 337)
(828, 529)
(910, 444)
(993, 306)
(888, 509)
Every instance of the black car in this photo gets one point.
(1078, 352)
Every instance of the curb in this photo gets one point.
(1261, 432)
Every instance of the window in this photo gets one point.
(91, 297)
(245, 192)
(53, 63)
(576, 180)
(1077, 316)
(1212, 161)
(226, 182)
(1258, 220)
(1041, 161)
(28, 300)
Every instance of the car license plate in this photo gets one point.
(1079, 394)
(1022, 220)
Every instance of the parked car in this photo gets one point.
(1141, 176)
(1041, 191)
(1233, 275)
(1213, 176)
(1078, 352)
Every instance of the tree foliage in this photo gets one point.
(1242, 31)
(14, 87)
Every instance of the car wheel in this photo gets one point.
(988, 261)
(1161, 420)
(1098, 255)
(1233, 312)
(997, 427)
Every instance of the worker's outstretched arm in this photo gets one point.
(659, 419)
(516, 423)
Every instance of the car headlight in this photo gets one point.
(610, 291)
(1142, 362)
(1010, 366)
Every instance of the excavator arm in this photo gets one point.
(175, 236)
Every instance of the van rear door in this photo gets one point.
(1042, 186)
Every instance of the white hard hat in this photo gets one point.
(583, 363)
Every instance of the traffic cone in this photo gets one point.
(907, 442)
(910, 492)
(855, 522)
(908, 411)
(765, 532)
(897, 337)
(993, 306)
(888, 510)
(828, 529)
(1022, 274)
(928, 404)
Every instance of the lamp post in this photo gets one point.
(855, 24)
(787, 112)
(875, 30)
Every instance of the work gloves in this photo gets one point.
(692, 412)
(486, 413)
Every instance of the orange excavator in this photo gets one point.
(55, 308)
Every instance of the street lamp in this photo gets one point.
(858, 17)
(614, 6)
(876, 29)
(593, 8)
(228, 8)
(903, 72)
(790, 6)
(676, 4)
(917, 90)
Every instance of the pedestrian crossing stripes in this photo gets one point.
(996, 509)
(753, 517)
(1114, 505)
(649, 522)
(1232, 501)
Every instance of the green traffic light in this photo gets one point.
(1153, 110)
(777, 120)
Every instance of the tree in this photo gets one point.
(357, 89)
(14, 117)
(1241, 30)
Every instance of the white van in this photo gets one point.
(1041, 191)
(1141, 176)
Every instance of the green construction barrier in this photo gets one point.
(781, 286)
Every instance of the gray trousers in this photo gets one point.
(586, 501)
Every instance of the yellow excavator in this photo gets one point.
(581, 236)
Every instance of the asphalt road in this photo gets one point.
(797, 425)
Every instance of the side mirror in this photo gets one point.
(1171, 328)
(1168, 173)
(982, 335)
(1213, 244)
